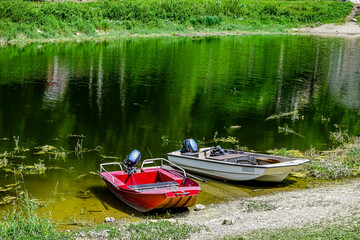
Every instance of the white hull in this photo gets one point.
(275, 172)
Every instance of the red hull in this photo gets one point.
(183, 195)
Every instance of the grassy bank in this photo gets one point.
(342, 162)
(24, 20)
(25, 223)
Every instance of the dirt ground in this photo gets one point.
(350, 28)
(283, 209)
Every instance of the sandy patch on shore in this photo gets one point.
(283, 209)
(350, 28)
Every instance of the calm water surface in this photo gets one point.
(108, 98)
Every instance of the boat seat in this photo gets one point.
(153, 186)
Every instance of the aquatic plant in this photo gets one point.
(165, 141)
(77, 135)
(286, 130)
(287, 153)
(10, 187)
(79, 148)
(229, 139)
(241, 148)
(37, 168)
(294, 115)
(3, 162)
(339, 136)
(60, 154)
(16, 140)
(45, 149)
(109, 157)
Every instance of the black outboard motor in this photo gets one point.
(189, 145)
(131, 161)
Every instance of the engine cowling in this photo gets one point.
(189, 145)
(131, 160)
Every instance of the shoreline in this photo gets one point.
(347, 30)
(322, 204)
(308, 31)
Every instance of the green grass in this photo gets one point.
(338, 163)
(25, 20)
(26, 224)
(148, 230)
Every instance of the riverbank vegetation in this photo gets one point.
(25, 223)
(25, 20)
(340, 162)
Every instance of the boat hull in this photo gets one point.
(237, 172)
(151, 201)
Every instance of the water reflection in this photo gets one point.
(56, 83)
(344, 75)
(150, 94)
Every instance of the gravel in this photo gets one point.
(283, 209)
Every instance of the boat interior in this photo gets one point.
(147, 179)
(240, 157)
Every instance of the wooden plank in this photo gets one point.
(269, 160)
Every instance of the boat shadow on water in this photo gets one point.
(110, 201)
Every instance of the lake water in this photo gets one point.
(97, 101)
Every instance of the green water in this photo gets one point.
(111, 97)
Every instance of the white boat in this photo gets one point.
(237, 165)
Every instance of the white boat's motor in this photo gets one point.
(131, 161)
(189, 146)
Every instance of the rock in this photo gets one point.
(298, 175)
(318, 23)
(199, 207)
(354, 20)
(227, 222)
(109, 219)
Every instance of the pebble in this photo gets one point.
(227, 222)
(199, 207)
(109, 219)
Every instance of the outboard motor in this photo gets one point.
(131, 161)
(189, 145)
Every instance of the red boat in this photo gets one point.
(150, 188)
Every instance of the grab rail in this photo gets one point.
(112, 163)
(106, 179)
(149, 161)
